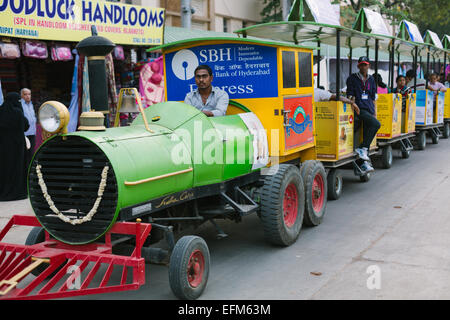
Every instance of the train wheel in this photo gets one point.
(282, 205)
(434, 138)
(406, 154)
(334, 184)
(189, 267)
(386, 157)
(365, 178)
(446, 131)
(37, 235)
(315, 180)
(421, 140)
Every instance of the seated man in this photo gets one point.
(212, 101)
(420, 83)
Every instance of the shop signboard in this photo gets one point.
(71, 20)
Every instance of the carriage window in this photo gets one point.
(304, 69)
(289, 80)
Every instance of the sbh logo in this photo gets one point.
(184, 64)
(299, 127)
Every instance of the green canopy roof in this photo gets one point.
(306, 31)
(175, 37)
(446, 42)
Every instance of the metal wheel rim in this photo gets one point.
(290, 205)
(196, 268)
(318, 193)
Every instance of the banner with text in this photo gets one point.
(242, 70)
(71, 20)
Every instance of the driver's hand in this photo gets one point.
(208, 113)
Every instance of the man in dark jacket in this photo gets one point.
(361, 86)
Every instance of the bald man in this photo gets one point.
(28, 111)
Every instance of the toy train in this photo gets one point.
(174, 167)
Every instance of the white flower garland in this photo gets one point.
(91, 213)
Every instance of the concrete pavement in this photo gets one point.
(385, 239)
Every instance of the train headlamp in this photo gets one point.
(54, 117)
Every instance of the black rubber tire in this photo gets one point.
(434, 139)
(387, 157)
(178, 265)
(421, 140)
(365, 178)
(446, 131)
(309, 170)
(334, 184)
(406, 154)
(37, 235)
(272, 214)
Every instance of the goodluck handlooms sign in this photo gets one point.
(71, 20)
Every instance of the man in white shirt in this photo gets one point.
(212, 101)
(28, 111)
(420, 83)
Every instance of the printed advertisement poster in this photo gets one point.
(440, 107)
(242, 70)
(430, 107)
(447, 105)
(327, 122)
(300, 119)
(346, 120)
(260, 144)
(71, 20)
(421, 106)
(411, 114)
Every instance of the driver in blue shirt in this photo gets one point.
(212, 101)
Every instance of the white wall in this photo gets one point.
(147, 3)
(240, 9)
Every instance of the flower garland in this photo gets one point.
(51, 204)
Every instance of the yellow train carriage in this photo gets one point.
(446, 129)
(271, 80)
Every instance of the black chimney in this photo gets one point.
(96, 48)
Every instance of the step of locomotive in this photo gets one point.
(245, 209)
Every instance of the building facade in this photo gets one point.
(213, 15)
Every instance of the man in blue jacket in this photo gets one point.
(361, 86)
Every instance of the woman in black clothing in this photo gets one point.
(13, 124)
